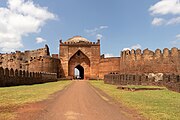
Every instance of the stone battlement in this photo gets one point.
(41, 51)
(149, 55)
(171, 81)
(34, 61)
(80, 43)
(135, 61)
(18, 77)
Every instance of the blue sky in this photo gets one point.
(119, 23)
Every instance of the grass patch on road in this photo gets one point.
(152, 104)
(13, 97)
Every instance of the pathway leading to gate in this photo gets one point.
(79, 101)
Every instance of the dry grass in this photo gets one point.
(154, 105)
(13, 97)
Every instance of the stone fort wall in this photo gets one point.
(170, 81)
(135, 61)
(108, 65)
(10, 77)
(144, 68)
(33, 61)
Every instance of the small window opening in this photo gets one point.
(78, 53)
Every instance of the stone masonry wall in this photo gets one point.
(108, 65)
(18, 77)
(45, 64)
(20, 60)
(171, 81)
(33, 61)
(167, 61)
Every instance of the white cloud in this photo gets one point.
(99, 36)
(161, 21)
(165, 7)
(103, 27)
(178, 37)
(40, 40)
(29, 8)
(108, 55)
(124, 49)
(158, 21)
(176, 42)
(174, 21)
(137, 46)
(97, 32)
(18, 19)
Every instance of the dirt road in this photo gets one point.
(79, 101)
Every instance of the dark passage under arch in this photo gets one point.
(80, 74)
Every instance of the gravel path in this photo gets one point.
(79, 101)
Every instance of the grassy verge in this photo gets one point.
(14, 97)
(140, 86)
(153, 105)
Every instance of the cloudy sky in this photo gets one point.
(120, 24)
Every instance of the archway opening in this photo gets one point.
(79, 66)
(79, 72)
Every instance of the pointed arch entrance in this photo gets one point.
(81, 62)
(80, 74)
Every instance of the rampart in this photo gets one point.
(170, 81)
(18, 77)
(137, 62)
(44, 64)
(80, 43)
(108, 65)
(33, 61)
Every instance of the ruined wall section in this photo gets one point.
(108, 65)
(170, 81)
(11, 77)
(34, 61)
(44, 64)
(138, 62)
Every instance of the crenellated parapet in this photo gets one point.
(166, 53)
(170, 81)
(158, 54)
(149, 55)
(26, 55)
(174, 52)
(78, 40)
(145, 61)
(11, 77)
(80, 43)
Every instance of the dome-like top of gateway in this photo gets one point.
(77, 39)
